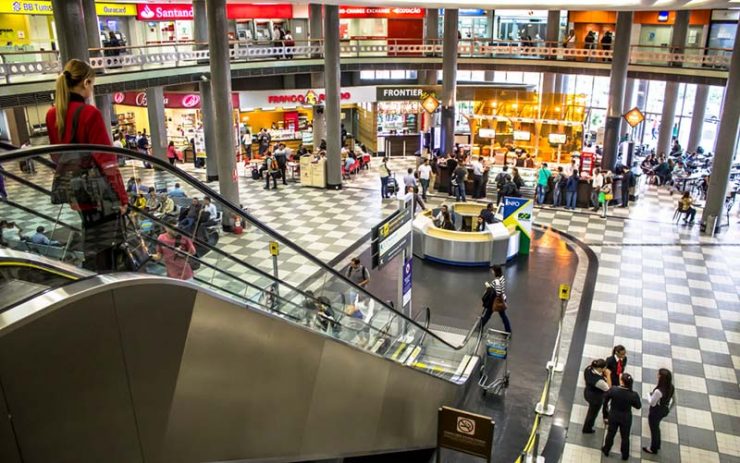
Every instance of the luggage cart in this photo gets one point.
(497, 348)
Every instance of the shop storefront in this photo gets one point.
(583, 22)
(288, 115)
(381, 25)
(170, 22)
(29, 25)
(656, 28)
(473, 23)
(522, 25)
(183, 118)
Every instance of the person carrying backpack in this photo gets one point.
(271, 169)
(357, 273)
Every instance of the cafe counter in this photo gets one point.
(494, 246)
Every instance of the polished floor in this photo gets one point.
(666, 292)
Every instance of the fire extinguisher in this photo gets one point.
(238, 229)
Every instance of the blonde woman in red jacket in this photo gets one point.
(72, 120)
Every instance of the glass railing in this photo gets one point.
(22, 66)
(64, 203)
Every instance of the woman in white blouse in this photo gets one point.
(660, 405)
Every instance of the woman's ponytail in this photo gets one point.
(61, 102)
(75, 72)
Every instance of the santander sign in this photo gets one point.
(166, 12)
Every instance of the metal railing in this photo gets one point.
(42, 65)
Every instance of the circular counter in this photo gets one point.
(494, 246)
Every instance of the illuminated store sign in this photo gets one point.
(180, 12)
(359, 12)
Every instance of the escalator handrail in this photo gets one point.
(31, 152)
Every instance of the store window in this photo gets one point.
(388, 75)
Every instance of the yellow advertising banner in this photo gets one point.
(41, 7)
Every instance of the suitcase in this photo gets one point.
(392, 186)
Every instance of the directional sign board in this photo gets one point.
(391, 236)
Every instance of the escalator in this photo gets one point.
(233, 364)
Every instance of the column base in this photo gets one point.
(211, 178)
(334, 187)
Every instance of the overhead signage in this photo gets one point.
(634, 117)
(293, 97)
(43, 7)
(391, 236)
(518, 213)
(522, 135)
(465, 432)
(309, 98)
(360, 12)
(172, 100)
(466, 12)
(486, 133)
(430, 104)
(662, 16)
(179, 12)
(404, 93)
(556, 138)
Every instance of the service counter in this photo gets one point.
(494, 246)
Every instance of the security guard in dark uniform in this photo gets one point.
(596, 386)
(621, 400)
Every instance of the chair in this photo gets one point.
(678, 213)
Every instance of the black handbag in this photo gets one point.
(78, 179)
(134, 253)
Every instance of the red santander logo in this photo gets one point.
(191, 101)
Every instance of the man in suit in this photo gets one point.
(615, 366)
(622, 399)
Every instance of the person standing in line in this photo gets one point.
(451, 164)
(605, 196)
(628, 182)
(425, 174)
(596, 385)
(558, 187)
(615, 366)
(500, 181)
(477, 177)
(571, 191)
(459, 176)
(543, 176)
(385, 175)
(596, 183)
(263, 141)
(660, 405)
(622, 399)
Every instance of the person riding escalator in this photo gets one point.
(89, 182)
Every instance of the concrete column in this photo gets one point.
(431, 35)
(726, 142)
(333, 108)
(629, 93)
(553, 28)
(697, 117)
(71, 32)
(488, 75)
(102, 102)
(157, 128)
(449, 79)
(200, 34)
(319, 125)
(617, 82)
(218, 46)
(670, 97)
(316, 32)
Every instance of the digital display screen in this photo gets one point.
(556, 138)
(521, 135)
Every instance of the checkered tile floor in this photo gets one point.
(670, 296)
(667, 293)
